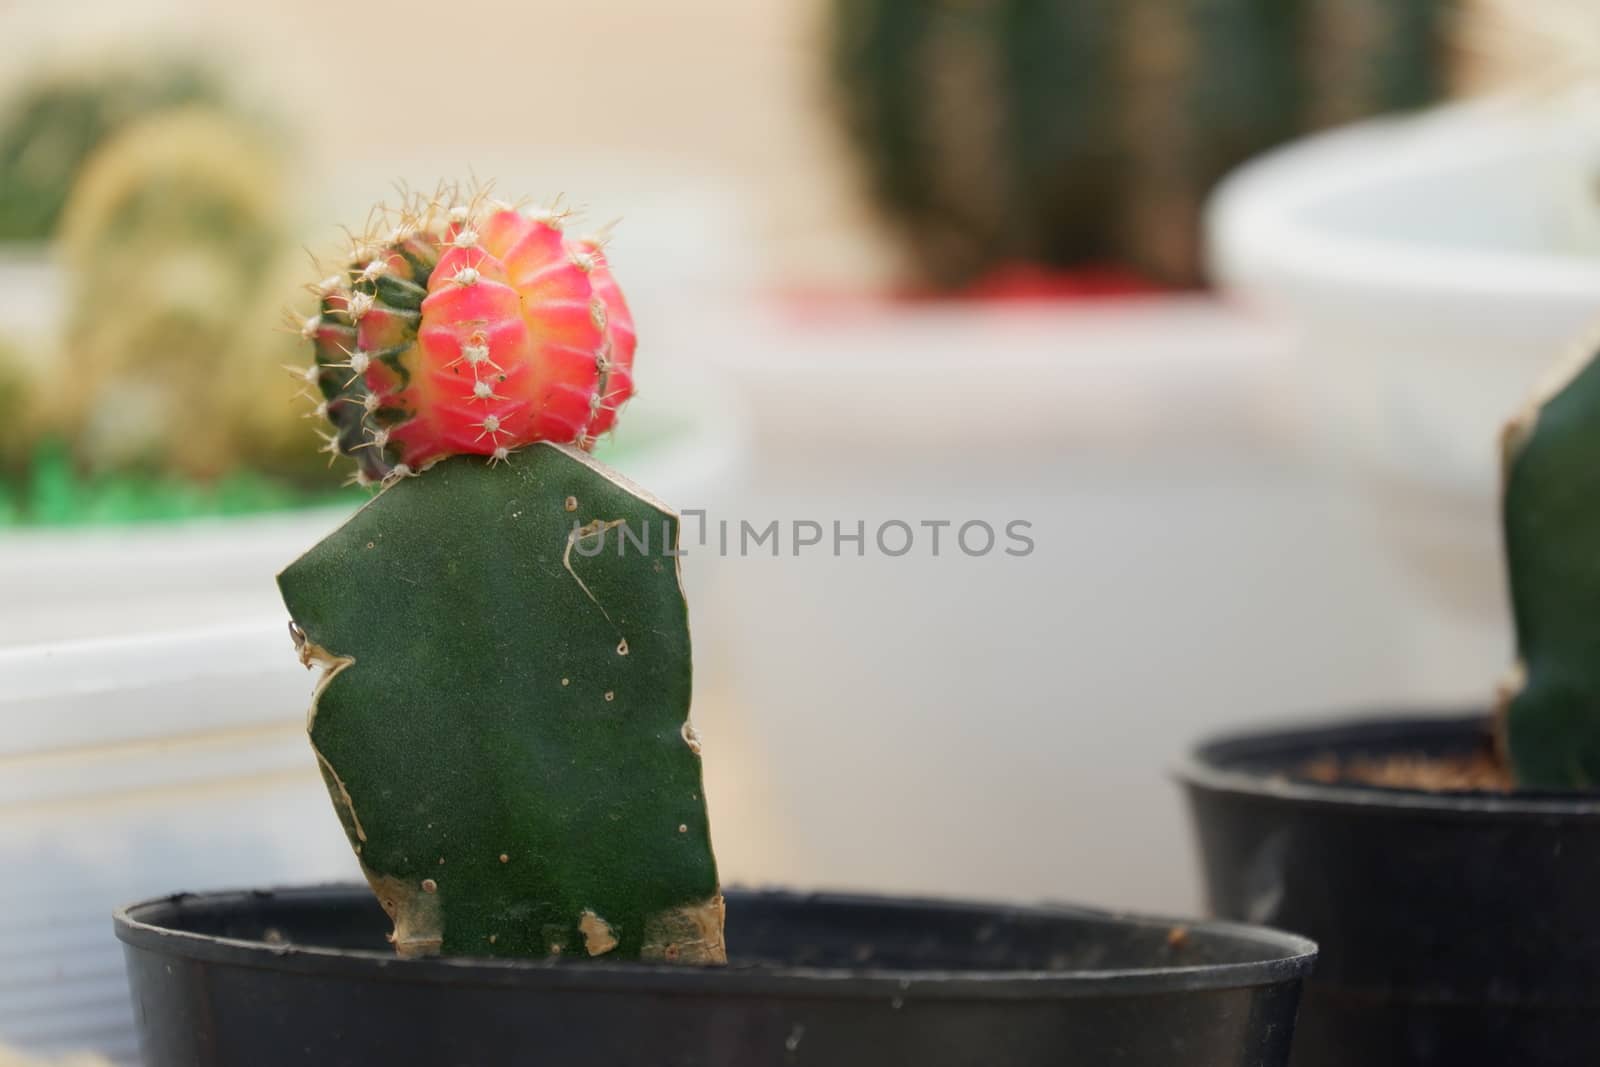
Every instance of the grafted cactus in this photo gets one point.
(1551, 513)
(468, 328)
(503, 718)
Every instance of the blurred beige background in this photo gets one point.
(614, 99)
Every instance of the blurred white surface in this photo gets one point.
(1002, 726)
(1431, 269)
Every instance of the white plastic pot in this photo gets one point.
(32, 298)
(1431, 269)
(136, 766)
(99, 581)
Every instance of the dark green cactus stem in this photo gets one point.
(1551, 513)
(503, 722)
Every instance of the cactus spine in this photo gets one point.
(503, 717)
(1550, 716)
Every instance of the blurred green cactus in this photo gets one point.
(172, 239)
(55, 121)
(19, 416)
(1551, 520)
(1061, 134)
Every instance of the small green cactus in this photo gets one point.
(51, 126)
(503, 717)
(172, 232)
(1550, 716)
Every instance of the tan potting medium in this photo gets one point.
(1480, 770)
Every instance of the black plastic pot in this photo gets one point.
(1454, 928)
(303, 977)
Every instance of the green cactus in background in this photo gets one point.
(502, 721)
(19, 417)
(983, 127)
(171, 236)
(1062, 134)
(1550, 714)
(1363, 57)
(56, 120)
(1204, 85)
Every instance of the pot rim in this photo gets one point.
(1285, 957)
(1210, 766)
(1269, 229)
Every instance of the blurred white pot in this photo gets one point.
(135, 766)
(32, 297)
(1431, 267)
(78, 582)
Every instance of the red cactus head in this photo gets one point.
(469, 329)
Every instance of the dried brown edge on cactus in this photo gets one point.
(1520, 426)
(314, 655)
(691, 933)
(597, 936)
(418, 920)
(415, 910)
(345, 802)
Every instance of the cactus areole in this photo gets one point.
(503, 716)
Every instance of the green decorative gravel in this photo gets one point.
(53, 491)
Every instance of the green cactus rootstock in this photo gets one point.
(1551, 515)
(503, 718)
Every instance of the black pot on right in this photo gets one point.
(1455, 928)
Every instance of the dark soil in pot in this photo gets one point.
(1456, 927)
(303, 976)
